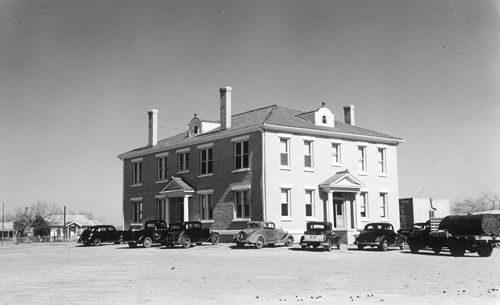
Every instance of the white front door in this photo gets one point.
(339, 213)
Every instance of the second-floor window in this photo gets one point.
(137, 172)
(137, 211)
(206, 208)
(383, 204)
(336, 153)
(206, 161)
(162, 168)
(285, 203)
(362, 158)
(285, 152)
(241, 156)
(308, 154)
(381, 160)
(183, 161)
(363, 205)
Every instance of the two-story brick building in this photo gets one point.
(272, 163)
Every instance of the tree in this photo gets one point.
(24, 217)
(486, 201)
(40, 226)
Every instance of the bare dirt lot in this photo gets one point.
(64, 273)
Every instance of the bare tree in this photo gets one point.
(485, 202)
(24, 217)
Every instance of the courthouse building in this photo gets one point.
(272, 163)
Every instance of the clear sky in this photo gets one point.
(78, 77)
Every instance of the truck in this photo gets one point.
(472, 232)
(151, 233)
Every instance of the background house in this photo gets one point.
(75, 224)
(413, 210)
(7, 230)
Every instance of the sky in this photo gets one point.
(78, 77)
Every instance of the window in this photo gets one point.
(335, 153)
(242, 203)
(195, 130)
(323, 119)
(206, 161)
(285, 203)
(161, 205)
(206, 208)
(363, 205)
(383, 206)
(137, 172)
(362, 158)
(308, 154)
(381, 160)
(285, 152)
(240, 152)
(162, 168)
(137, 211)
(309, 203)
(182, 161)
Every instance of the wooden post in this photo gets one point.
(3, 220)
(64, 224)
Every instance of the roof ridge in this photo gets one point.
(252, 110)
(356, 126)
(270, 112)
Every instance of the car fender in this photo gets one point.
(253, 238)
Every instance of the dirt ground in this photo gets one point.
(65, 273)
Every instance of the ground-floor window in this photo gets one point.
(137, 211)
(161, 207)
(383, 204)
(285, 203)
(242, 204)
(363, 205)
(206, 208)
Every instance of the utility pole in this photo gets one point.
(3, 220)
(64, 223)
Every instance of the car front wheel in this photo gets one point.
(330, 245)
(384, 245)
(289, 241)
(97, 242)
(259, 243)
(147, 242)
(186, 242)
(215, 239)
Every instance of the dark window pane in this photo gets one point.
(308, 210)
(284, 209)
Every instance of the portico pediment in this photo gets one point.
(342, 182)
(177, 188)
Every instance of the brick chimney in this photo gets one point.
(153, 127)
(225, 107)
(349, 115)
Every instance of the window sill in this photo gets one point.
(206, 220)
(206, 175)
(362, 174)
(285, 168)
(286, 219)
(337, 164)
(136, 185)
(161, 181)
(240, 170)
(309, 169)
(364, 219)
(382, 175)
(310, 218)
(241, 219)
(183, 172)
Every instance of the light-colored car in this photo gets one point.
(261, 233)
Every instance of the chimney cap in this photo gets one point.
(153, 111)
(227, 88)
(349, 106)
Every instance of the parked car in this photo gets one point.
(379, 234)
(261, 233)
(319, 234)
(188, 233)
(96, 235)
(419, 238)
(147, 236)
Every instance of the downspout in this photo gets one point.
(264, 201)
(430, 200)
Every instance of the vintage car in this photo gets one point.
(379, 234)
(188, 233)
(319, 234)
(96, 235)
(419, 238)
(145, 236)
(260, 233)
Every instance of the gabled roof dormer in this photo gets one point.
(321, 116)
(198, 127)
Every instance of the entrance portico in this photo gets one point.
(176, 193)
(341, 190)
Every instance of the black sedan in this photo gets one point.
(379, 234)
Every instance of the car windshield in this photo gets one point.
(317, 226)
(378, 226)
(253, 225)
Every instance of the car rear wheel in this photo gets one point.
(147, 242)
(97, 242)
(414, 248)
(384, 245)
(259, 243)
(132, 245)
(240, 245)
(186, 242)
(289, 241)
(485, 251)
(457, 249)
(330, 245)
(437, 248)
(215, 239)
(360, 247)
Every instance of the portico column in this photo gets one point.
(347, 208)
(329, 207)
(186, 208)
(167, 211)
